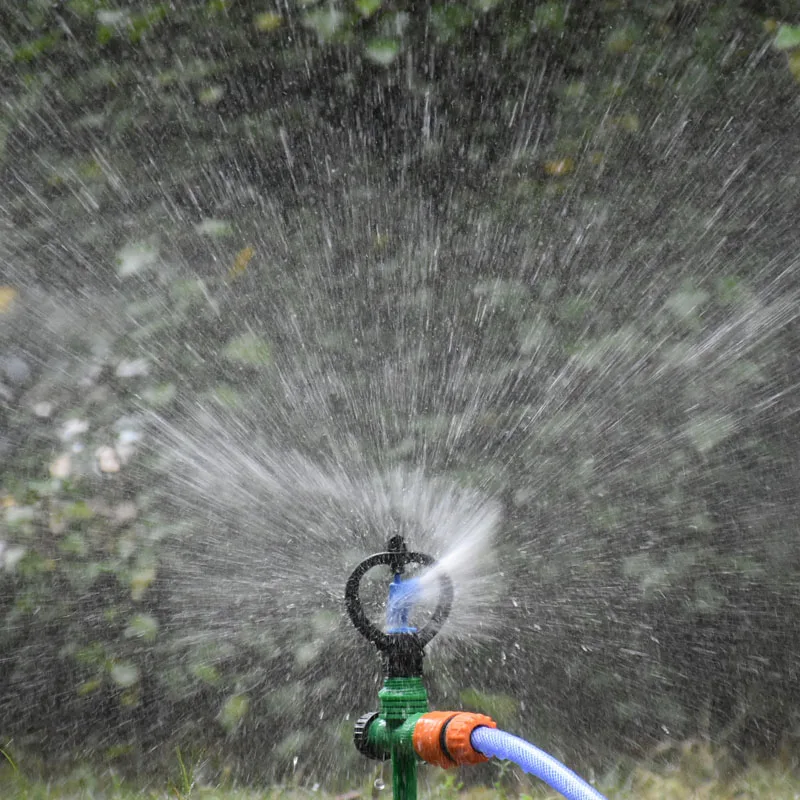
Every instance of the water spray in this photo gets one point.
(404, 729)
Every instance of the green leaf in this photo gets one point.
(324, 623)
(396, 23)
(367, 7)
(142, 626)
(730, 290)
(787, 37)
(686, 303)
(325, 22)
(125, 674)
(93, 655)
(160, 395)
(448, 21)
(573, 309)
(78, 511)
(268, 22)
(118, 751)
(30, 51)
(130, 697)
(534, 336)
(291, 744)
(141, 23)
(227, 396)
(382, 51)
(84, 8)
(27, 563)
(620, 41)
(486, 5)
(598, 353)
(709, 430)
(74, 545)
(214, 227)
(104, 34)
(794, 65)
(707, 598)
(112, 17)
(211, 95)
(307, 653)
(18, 516)
(135, 258)
(249, 349)
(141, 580)
(502, 295)
(233, 711)
(90, 686)
(550, 17)
(206, 673)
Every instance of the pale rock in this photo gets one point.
(61, 467)
(73, 428)
(107, 459)
(43, 410)
(132, 368)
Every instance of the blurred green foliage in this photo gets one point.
(82, 587)
(694, 771)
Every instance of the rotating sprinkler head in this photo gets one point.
(403, 729)
(401, 646)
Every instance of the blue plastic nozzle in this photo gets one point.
(402, 596)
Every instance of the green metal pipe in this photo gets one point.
(402, 702)
(404, 771)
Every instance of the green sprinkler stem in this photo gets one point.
(389, 732)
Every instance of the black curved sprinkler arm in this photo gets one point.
(401, 653)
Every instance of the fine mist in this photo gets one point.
(540, 316)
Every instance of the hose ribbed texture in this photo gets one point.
(492, 742)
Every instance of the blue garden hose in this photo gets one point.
(493, 742)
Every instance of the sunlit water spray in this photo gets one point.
(280, 534)
(599, 455)
(539, 390)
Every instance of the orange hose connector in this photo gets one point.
(443, 737)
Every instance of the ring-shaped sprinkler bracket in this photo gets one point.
(402, 653)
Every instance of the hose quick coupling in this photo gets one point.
(443, 738)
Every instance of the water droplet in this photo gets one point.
(379, 784)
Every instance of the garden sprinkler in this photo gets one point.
(403, 729)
